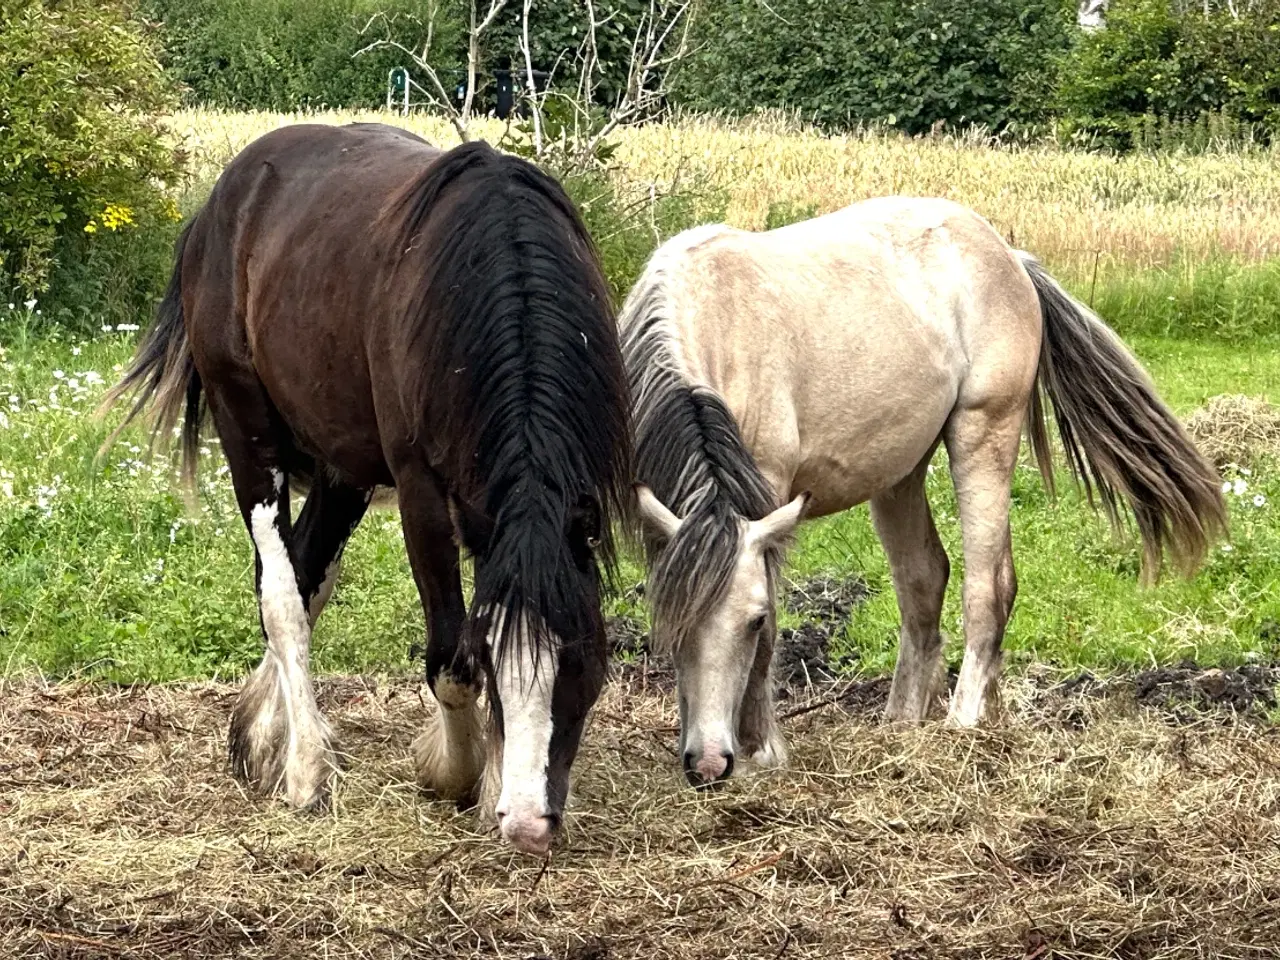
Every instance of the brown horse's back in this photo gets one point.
(287, 275)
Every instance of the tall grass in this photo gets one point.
(1073, 208)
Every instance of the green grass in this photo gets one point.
(1220, 299)
(105, 571)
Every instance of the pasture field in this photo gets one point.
(1087, 827)
(1108, 817)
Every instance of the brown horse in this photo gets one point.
(818, 366)
(356, 309)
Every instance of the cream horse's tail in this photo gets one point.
(1120, 439)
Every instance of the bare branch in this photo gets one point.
(535, 105)
(650, 52)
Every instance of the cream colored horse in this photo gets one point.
(804, 370)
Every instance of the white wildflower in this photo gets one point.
(1226, 486)
(1238, 487)
(58, 374)
(127, 327)
(30, 304)
(75, 351)
(1259, 500)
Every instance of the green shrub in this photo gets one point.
(81, 147)
(911, 65)
(295, 54)
(557, 30)
(1157, 77)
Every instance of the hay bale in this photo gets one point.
(1235, 429)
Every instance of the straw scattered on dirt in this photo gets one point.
(1085, 825)
(1235, 429)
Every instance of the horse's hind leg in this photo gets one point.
(328, 518)
(920, 570)
(983, 446)
(279, 741)
(449, 755)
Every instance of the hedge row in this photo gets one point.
(1159, 65)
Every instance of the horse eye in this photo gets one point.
(593, 542)
(757, 624)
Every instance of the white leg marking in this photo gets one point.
(309, 762)
(449, 754)
(525, 681)
(774, 752)
(976, 696)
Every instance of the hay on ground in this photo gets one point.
(1235, 429)
(1090, 827)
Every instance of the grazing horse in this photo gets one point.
(356, 309)
(800, 371)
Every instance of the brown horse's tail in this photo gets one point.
(1120, 439)
(163, 374)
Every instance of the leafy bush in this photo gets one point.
(1159, 77)
(81, 147)
(557, 30)
(910, 65)
(294, 54)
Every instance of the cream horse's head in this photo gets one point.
(711, 587)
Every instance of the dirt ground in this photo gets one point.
(1088, 824)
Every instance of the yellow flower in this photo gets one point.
(115, 216)
(91, 227)
(170, 209)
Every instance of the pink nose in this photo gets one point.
(528, 834)
(712, 766)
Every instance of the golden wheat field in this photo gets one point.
(1071, 208)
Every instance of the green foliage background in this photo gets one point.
(81, 100)
(291, 54)
(1156, 77)
(907, 64)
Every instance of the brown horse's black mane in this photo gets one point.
(520, 379)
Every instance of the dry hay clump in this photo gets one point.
(1235, 429)
(1117, 834)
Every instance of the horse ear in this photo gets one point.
(657, 519)
(471, 527)
(777, 528)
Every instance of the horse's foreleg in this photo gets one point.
(279, 741)
(760, 738)
(449, 754)
(983, 447)
(920, 570)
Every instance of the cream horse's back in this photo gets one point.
(807, 369)
(812, 333)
